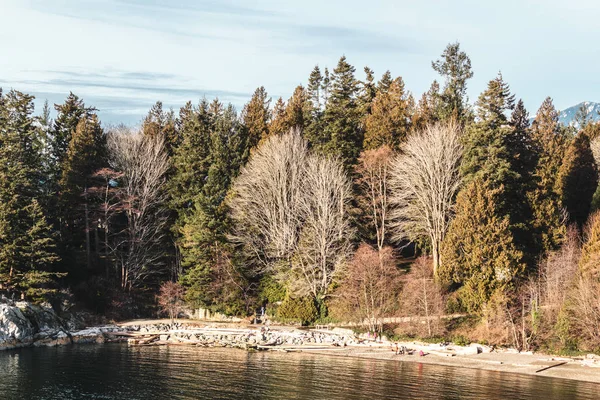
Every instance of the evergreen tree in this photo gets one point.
(161, 122)
(256, 116)
(325, 87)
(549, 140)
(578, 179)
(25, 239)
(278, 123)
(479, 256)
(315, 81)
(455, 67)
(298, 110)
(368, 90)
(428, 109)
(385, 82)
(191, 159)
(389, 120)
(68, 116)
(38, 247)
(341, 135)
(486, 151)
(18, 177)
(86, 154)
(204, 231)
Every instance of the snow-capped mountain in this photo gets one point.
(567, 116)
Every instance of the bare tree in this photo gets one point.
(373, 178)
(369, 289)
(585, 308)
(421, 295)
(290, 213)
(142, 161)
(324, 244)
(170, 299)
(424, 181)
(267, 196)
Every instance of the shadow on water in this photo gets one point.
(121, 372)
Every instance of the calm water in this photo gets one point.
(118, 372)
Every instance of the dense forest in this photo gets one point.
(351, 201)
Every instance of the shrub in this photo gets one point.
(302, 309)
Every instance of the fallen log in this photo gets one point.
(552, 366)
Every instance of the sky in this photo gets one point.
(123, 55)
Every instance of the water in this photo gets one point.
(119, 372)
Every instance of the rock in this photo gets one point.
(14, 325)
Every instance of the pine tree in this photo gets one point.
(455, 67)
(486, 151)
(84, 156)
(385, 82)
(278, 123)
(341, 135)
(325, 87)
(479, 256)
(25, 238)
(298, 110)
(39, 248)
(17, 176)
(204, 231)
(191, 159)
(368, 90)
(428, 109)
(389, 121)
(161, 122)
(578, 179)
(256, 116)
(549, 140)
(315, 81)
(68, 116)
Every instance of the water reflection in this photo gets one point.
(121, 372)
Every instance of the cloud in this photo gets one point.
(120, 96)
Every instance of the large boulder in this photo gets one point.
(14, 325)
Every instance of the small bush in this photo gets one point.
(303, 310)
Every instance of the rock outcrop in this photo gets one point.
(23, 324)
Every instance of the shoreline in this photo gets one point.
(335, 342)
(520, 364)
(473, 357)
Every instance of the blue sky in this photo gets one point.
(123, 55)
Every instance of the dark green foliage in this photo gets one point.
(314, 87)
(340, 135)
(68, 116)
(500, 151)
(389, 118)
(429, 108)
(204, 229)
(27, 248)
(256, 116)
(159, 122)
(301, 309)
(270, 290)
(455, 67)
(368, 90)
(479, 256)
(550, 142)
(578, 179)
(191, 159)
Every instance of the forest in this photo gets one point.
(352, 201)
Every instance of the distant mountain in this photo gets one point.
(567, 116)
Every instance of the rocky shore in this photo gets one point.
(26, 325)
